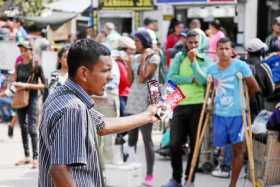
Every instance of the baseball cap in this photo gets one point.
(255, 45)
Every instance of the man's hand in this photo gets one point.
(152, 112)
(192, 54)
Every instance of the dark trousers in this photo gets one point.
(27, 118)
(183, 126)
(119, 138)
(123, 101)
(146, 131)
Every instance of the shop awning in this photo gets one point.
(55, 19)
(77, 6)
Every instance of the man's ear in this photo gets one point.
(82, 73)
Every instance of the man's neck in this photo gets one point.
(224, 64)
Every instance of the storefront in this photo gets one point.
(206, 11)
(125, 14)
(267, 11)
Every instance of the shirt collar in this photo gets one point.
(80, 93)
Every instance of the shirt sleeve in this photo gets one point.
(98, 119)
(199, 69)
(155, 59)
(245, 69)
(68, 139)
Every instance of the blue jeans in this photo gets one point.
(6, 110)
(27, 118)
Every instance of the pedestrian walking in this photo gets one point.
(29, 76)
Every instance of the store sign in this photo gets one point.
(127, 3)
(195, 1)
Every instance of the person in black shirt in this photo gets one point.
(29, 76)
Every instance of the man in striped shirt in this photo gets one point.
(68, 153)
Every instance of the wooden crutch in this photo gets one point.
(247, 126)
(201, 128)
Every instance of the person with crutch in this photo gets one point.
(188, 71)
(227, 118)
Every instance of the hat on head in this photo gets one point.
(145, 38)
(126, 42)
(255, 45)
(277, 20)
(24, 44)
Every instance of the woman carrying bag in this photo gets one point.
(27, 78)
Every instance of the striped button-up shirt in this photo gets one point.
(68, 136)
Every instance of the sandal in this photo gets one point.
(23, 162)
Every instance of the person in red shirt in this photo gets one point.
(126, 50)
(173, 38)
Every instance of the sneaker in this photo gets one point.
(219, 172)
(10, 131)
(149, 180)
(172, 183)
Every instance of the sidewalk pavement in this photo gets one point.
(23, 176)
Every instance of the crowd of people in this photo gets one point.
(115, 66)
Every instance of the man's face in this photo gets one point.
(276, 29)
(192, 42)
(224, 51)
(155, 26)
(98, 76)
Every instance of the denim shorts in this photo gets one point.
(227, 130)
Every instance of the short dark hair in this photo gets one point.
(19, 20)
(216, 23)
(148, 21)
(192, 34)
(60, 54)
(224, 40)
(84, 52)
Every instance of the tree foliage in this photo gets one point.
(30, 8)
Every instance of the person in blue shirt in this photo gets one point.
(21, 34)
(227, 118)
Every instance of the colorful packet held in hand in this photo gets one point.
(173, 95)
(154, 94)
(154, 91)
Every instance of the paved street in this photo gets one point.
(11, 176)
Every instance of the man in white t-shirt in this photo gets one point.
(150, 25)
